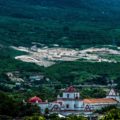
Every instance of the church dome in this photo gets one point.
(35, 99)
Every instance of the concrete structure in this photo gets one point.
(99, 103)
(113, 94)
(71, 103)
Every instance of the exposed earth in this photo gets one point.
(48, 56)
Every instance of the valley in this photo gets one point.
(49, 45)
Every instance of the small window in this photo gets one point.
(76, 96)
(75, 106)
(67, 95)
(67, 106)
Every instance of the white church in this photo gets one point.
(71, 103)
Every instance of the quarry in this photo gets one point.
(48, 56)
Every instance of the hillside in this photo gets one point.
(73, 39)
(68, 23)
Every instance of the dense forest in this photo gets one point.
(81, 23)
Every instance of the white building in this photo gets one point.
(113, 94)
(99, 103)
(39, 102)
(71, 103)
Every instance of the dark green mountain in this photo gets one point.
(66, 22)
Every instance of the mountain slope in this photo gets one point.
(29, 8)
(81, 22)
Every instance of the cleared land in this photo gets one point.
(49, 56)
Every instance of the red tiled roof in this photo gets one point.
(100, 100)
(70, 89)
(35, 99)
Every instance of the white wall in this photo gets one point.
(79, 105)
(70, 104)
(71, 95)
(99, 106)
(73, 105)
(43, 107)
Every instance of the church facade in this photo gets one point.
(71, 103)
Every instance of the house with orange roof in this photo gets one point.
(71, 103)
(99, 103)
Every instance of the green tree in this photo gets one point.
(76, 118)
(28, 109)
(113, 114)
(35, 117)
(46, 111)
(7, 105)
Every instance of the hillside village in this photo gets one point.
(21, 82)
(70, 101)
(34, 86)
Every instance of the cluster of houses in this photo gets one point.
(71, 103)
(23, 80)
